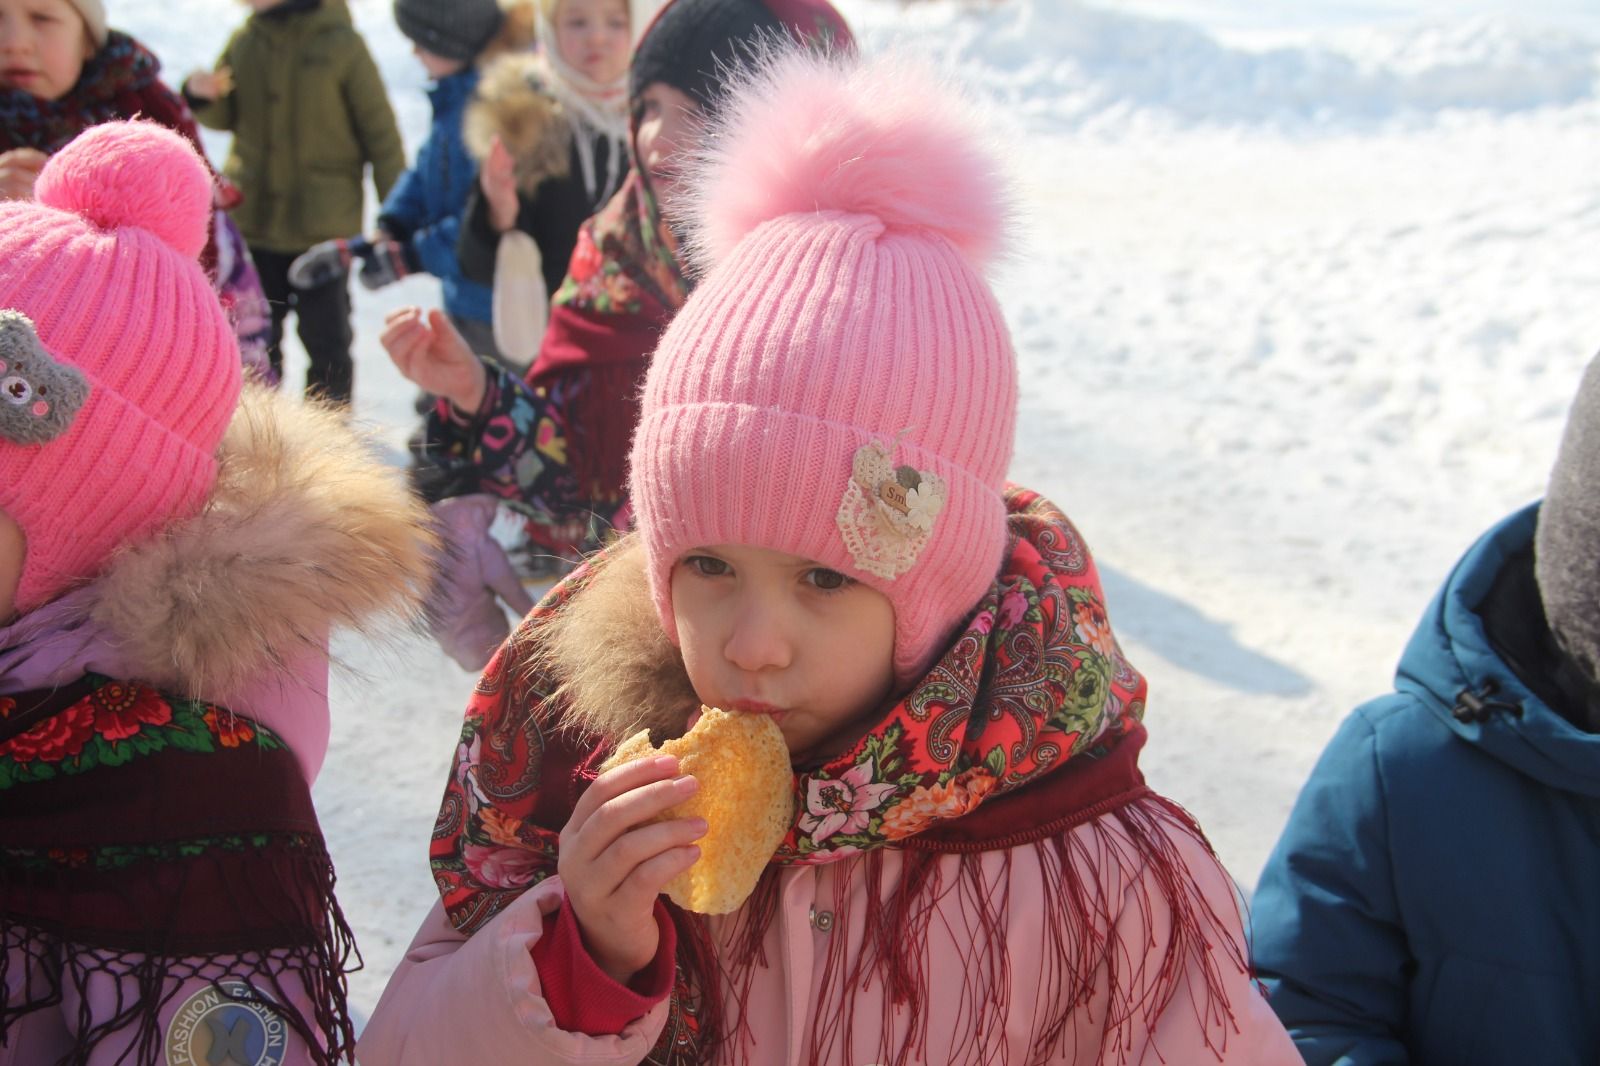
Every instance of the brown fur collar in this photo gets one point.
(618, 673)
(306, 530)
(511, 103)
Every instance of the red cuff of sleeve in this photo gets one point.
(455, 416)
(585, 999)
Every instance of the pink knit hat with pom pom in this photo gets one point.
(120, 370)
(840, 385)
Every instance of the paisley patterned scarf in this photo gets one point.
(623, 286)
(1028, 726)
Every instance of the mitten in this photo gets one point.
(521, 303)
(385, 261)
(325, 262)
(473, 575)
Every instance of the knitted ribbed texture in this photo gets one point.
(117, 292)
(845, 213)
(820, 332)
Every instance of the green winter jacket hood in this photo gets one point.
(308, 112)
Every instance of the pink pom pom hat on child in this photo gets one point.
(840, 385)
(121, 370)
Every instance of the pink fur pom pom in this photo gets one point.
(133, 174)
(883, 137)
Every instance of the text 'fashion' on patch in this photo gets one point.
(888, 511)
(230, 1023)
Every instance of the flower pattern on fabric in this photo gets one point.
(844, 805)
(928, 805)
(1021, 690)
(120, 711)
(59, 737)
(116, 722)
(1034, 679)
(229, 729)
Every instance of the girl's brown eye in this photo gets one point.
(828, 580)
(708, 566)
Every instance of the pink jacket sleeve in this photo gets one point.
(1192, 1028)
(464, 1001)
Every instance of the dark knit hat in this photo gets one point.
(694, 44)
(453, 29)
(1567, 540)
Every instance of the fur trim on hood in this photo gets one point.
(306, 530)
(637, 680)
(511, 102)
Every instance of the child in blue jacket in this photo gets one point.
(420, 220)
(1432, 900)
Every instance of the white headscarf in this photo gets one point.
(593, 107)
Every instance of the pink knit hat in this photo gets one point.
(840, 385)
(121, 371)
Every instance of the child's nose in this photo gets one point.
(759, 639)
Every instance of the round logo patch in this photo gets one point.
(229, 1024)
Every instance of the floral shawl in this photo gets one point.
(623, 286)
(1028, 726)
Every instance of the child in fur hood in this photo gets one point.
(550, 133)
(174, 550)
(975, 871)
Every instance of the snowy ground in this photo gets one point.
(1302, 294)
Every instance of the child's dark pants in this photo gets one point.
(323, 323)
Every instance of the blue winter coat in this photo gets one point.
(1435, 897)
(426, 204)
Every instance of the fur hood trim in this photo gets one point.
(306, 530)
(511, 102)
(638, 680)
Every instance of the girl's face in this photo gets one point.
(43, 46)
(667, 124)
(593, 37)
(762, 632)
(437, 66)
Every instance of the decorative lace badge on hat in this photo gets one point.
(39, 397)
(887, 512)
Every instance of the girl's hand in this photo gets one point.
(614, 865)
(210, 84)
(18, 170)
(429, 351)
(499, 187)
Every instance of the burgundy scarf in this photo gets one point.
(1027, 728)
(120, 81)
(623, 286)
(155, 840)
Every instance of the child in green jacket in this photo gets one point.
(308, 111)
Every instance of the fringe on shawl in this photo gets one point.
(1084, 956)
(289, 880)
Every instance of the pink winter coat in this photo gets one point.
(233, 606)
(478, 1001)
